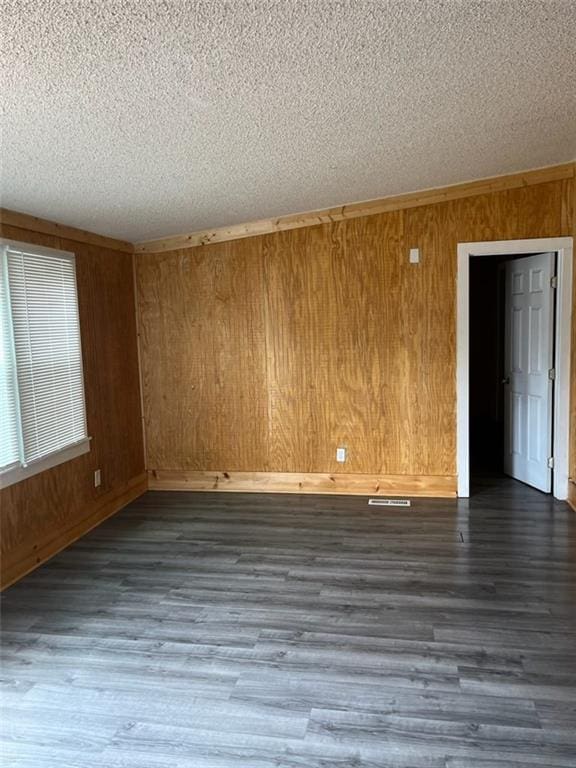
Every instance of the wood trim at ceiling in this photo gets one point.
(443, 486)
(31, 554)
(35, 224)
(356, 210)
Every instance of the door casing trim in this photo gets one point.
(563, 247)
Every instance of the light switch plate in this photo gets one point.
(414, 255)
(341, 455)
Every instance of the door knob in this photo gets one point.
(506, 380)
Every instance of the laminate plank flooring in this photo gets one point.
(272, 631)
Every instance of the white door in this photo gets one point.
(529, 358)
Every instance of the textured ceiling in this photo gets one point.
(139, 119)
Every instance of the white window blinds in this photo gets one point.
(9, 417)
(41, 379)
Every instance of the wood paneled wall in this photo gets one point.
(260, 356)
(263, 355)
(44, 513)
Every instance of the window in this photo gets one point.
(42, 410)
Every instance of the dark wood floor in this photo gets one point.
(219, 630)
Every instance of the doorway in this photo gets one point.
(512, 323)
(513, 361)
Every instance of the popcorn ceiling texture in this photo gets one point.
(140, 118)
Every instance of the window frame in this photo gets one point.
(12, 473)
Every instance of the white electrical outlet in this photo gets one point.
(341, 455)
(97, 478)
(414, 255)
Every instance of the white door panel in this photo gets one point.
(529, 357)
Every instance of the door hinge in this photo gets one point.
(551, 373)
(554, 282)
(551, 462)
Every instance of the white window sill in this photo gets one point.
(16, 474)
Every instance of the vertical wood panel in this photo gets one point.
(370, 366)
(431, 340)
(342, 341)
(43, 507)
(203, 357)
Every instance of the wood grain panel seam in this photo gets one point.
(139, 358)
